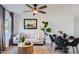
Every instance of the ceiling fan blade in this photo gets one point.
(42, 7)
(29, 6)
(28, 11)
(42, 12)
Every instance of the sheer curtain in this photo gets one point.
(2, 37)
(7, 28)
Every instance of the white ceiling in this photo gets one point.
(72, 9)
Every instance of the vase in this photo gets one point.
(22, 43)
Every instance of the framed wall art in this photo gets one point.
(30, 23)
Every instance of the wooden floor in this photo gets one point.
(44, 49)
(36, 50)
(40, 50)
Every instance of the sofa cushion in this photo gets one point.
(41, 36)
(32, 35)
(36, 37)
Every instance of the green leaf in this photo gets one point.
(45, 24)
(48, 29)
(43, 29)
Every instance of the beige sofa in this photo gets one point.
(35, 38)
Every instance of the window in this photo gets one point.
(7, 27)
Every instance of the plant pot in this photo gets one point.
(22, 43)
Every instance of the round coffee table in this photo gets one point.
(25, 49)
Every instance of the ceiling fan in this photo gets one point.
(36, 9)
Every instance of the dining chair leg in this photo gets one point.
(77, 49)
(73, 50)
(61, 51)
(51, 45)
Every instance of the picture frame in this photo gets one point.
(30, 23)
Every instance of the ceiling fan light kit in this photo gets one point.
(35, 9)
(35, 12)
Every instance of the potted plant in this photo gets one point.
(46, 29)
(22, 39)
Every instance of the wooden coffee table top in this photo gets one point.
(23, 45)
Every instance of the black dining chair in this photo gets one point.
(71, 37)
(59, 41)
(52, 39)
(74, 43)
(65, 36)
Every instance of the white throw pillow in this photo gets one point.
(41, 36)
(37, 36)
(25, 35)
(18, 36)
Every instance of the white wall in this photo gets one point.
(76, 27)
(16, 23)
(56, 22)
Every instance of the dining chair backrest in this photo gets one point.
(71, 37)
(51, 37)
(75, 41)
(59, 41)
(54, 36)
(65, 35)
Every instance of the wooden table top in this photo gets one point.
(23, 45)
